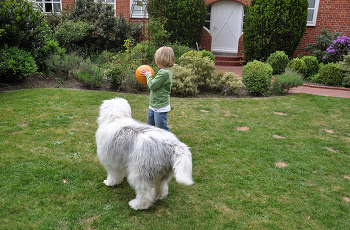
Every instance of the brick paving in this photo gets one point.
(308, 89)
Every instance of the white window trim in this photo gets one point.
(43, 9)
(314, 18)
(137, 15)
(110, 3)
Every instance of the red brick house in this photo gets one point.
(223, 28)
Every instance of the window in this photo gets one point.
(50, 5)
(110, 2)
(312, 12)
(207, 20)
(138, 9)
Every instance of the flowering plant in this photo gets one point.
(338, 50)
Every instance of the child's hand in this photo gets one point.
(144, 72)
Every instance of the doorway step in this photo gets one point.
(229, 61)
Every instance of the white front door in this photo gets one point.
(226, 26)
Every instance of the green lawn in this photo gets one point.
(51, 179)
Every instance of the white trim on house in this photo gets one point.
(138, 9)
(110, 2)
(312, 12)
(48, 6)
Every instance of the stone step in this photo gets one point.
(229, 61)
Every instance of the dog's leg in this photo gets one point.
(144, 193)
(114, 176)
(161, 186)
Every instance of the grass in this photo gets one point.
(50, 177)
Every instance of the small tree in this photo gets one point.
(274, 25)
(184, 19)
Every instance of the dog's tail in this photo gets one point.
(183, 165)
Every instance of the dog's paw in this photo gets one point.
(109, 182)
(138, 205)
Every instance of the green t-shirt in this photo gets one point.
(160, 87)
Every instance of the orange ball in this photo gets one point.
(140, 78)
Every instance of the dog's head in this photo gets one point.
(113, 109)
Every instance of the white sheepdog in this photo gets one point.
(146, 155)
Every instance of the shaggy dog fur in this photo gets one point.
(146, 155)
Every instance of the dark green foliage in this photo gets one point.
(274, 25)
(24, 26)
(257, 77)
(278, 61)
(15, 64)
(330, 74)
(345, 67)
(108, 31)
(324, 40)
(90, 74)
(285, 81)
(184, 19)
(208, 54)
(312, 65)
(297, 65)
(51, 47)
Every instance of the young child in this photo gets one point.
(160, 87)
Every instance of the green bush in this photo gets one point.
(184, 19)
(278, 61)
(257, 77)
(184, 81)
(115, 75)
(202, 67)
(179, 50)
(285, 81)
(324, 40)
(312, 66)
(231, 84)
(208, 54)
(51, 47)
(15, 64)
(23, 26)
(90, 74)
(74, 36)
(331, 74)
(273, 25)
(63, 64)
(345, 67)
(298, 65)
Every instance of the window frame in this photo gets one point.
(315, 12)
(133, 15)
(42, 5)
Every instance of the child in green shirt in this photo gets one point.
(160, 87)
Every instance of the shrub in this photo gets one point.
(257, 77)
(312, 66)
(63, 64)
(298, 65)
(184, 82)
(179, 50)
(51, 47)
(269, 24)
(24, 26)
(231, 84)
(90, 74)
(208, 54)
(202, 67)
(115, 76)
(330, 74)
(337, 51)
(74, 36)
(185, 19)
(16, 64)
(324, 40)
(345, 67)
(285, 81)
(278, 61)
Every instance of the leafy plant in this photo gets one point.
(337, 51)
(63, 64)
(312, 66)
(285, 81)
(16, 64)
(330, 74)
(345, 67)
(269, 24)
(257, 77)
(51, 47)
(184, 19)
(90, 74)
(278, 61)
(184, 81)
(298, 65)
(324, 40)
(231, 84)
(209, 54)
(24, 26)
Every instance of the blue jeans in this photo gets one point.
(158, 119)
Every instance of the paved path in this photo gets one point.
(308, 89)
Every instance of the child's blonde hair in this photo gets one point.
(165, 57)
